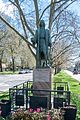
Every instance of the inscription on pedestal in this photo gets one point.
(42, 75)
(42, 79)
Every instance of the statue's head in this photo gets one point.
(42, 24)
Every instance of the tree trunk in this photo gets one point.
(1, 70)
(22, 61)
(55, 72)
(13, 65)
(57, 69)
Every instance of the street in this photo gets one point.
(8, 81)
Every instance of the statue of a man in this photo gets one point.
(43, 41)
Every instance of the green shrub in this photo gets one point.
(75, 99)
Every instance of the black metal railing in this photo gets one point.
(23, 95)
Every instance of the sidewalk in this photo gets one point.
(75, 76)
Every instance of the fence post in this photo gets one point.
(68, 96)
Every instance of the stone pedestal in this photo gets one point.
(42, 81)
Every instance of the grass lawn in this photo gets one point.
(64, 77)
(8, 72)
(74, 88)
(4, 95)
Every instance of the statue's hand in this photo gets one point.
(32, 40)
(49, 45)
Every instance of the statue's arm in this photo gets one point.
(36, 36)
(34, 39)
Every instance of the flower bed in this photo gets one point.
(38, 114)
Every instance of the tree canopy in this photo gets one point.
(27, 14)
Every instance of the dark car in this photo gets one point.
(75, 71)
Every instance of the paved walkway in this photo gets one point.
(75, 76)
(8, 81)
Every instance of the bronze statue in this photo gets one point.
(43, 41)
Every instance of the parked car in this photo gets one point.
(24, 71)
(75, 71)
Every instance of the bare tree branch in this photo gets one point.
(63, 10)
(13, 3)
(44, 11)
(67, 48)
(21, 18)
(37, 12)
(16, 31)
(21, 12)
(31, 51)
(52, 7)
(47, 8)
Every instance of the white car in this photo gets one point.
(23, 71)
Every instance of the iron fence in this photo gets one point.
(24, 96)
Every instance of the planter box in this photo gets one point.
(5, 106)
(70, 112)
